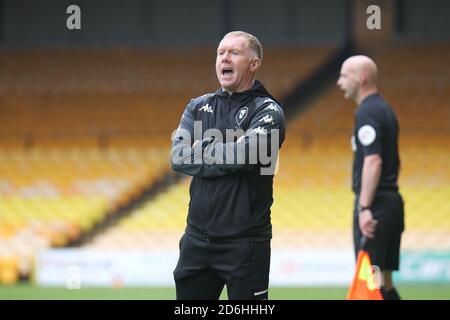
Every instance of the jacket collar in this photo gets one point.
(257, 90)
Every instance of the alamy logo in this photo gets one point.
(241, 115)
(74, 20)
(206, 108)
(73, 279)
(258, 146)
(374, 20)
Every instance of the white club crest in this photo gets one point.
(241, 115)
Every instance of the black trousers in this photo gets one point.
(205, 267)
(384, 248)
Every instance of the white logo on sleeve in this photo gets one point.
(206, 108)
(267, 119)
(366, 135)
(260, 130)
(272, 107)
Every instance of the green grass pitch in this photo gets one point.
(25, 291)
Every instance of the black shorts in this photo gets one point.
(204, 267)
(384, 248)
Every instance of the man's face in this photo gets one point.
(348, 81)
(234, 64)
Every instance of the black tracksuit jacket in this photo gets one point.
(229, 201)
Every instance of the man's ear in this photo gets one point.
(362, 79)
(359, 80)
(254, 65)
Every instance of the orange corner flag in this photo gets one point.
(364, 286)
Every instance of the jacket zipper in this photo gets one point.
(208, 200)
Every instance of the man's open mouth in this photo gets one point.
(227, 71)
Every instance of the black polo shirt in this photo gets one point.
(376, 132)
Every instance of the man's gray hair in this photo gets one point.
(253, 42)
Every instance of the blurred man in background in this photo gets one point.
(227, 238)
(378, 213)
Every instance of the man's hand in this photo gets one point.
(367, 223)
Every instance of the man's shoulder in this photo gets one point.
(269, 104)
(202, 99)
(376, 106)
(375, 101)
(370, 107)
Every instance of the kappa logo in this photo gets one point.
(241, 115)
(260, 130)
(267, 119)
(206, 108)
(272, 107)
